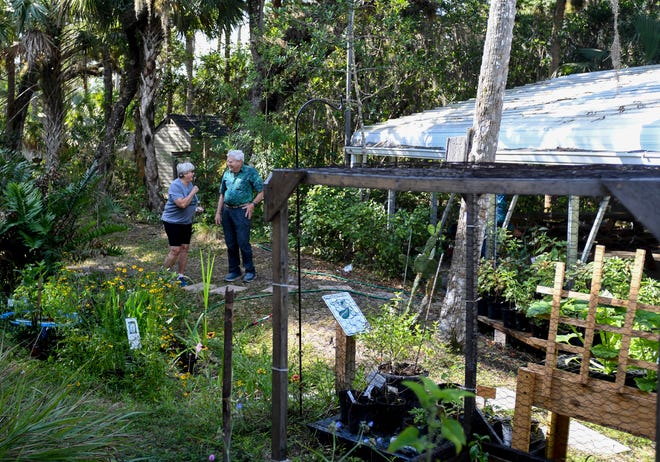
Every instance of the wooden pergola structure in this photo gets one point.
(637, 187)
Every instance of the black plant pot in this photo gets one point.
(359, 410)
(482, 307)
(495, 309)
(394, 382)
(540, 328)
(522, 321)
(509, 316)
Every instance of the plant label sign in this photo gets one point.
(346, 312)
(133, 333)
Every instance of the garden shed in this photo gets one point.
(178, 135)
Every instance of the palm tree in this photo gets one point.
(21, 16)
(110, 16)
(153, 35)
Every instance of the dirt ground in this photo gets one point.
(145, 244)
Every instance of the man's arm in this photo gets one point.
(218, 211)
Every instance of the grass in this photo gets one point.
(179, 417)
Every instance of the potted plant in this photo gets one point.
(396, 340)
(493, 280)
(392, 347)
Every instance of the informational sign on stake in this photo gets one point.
(347, 313)
(133, 333)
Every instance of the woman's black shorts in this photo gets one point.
(178, 234)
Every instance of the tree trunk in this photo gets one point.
(167, 69)
(190, 57)
(227, 54)
(10, 68)
(108, 87)
(555, 45)
(17, 112)
(128, 87)
(152, 42)
(487, 119)
(255, 10)
(53, 106)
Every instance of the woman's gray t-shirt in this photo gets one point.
(174, 214)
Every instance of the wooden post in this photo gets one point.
(471, 256)
(344, 360)
(551, 347)
(227, 373)
(628, 324)
(522, 417)
(280, 367)
(590, 328)
(557, 441)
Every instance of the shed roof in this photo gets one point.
(197, 126)
(607, 117)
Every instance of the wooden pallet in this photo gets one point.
(578, 395)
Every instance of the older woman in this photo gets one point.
(177, 218)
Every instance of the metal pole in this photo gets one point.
(349, 81)
(298, 250)
(594, 228)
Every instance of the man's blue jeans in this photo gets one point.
(236, 227)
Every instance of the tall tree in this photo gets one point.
(128, 85)
(24, 17)
(152, 35)
(486, 126)
(255, 10)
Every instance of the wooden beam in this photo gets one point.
(640, 198)
(499, 185)
(598, 401)
(495, 178)
(278, 187)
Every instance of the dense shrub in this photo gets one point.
(338, 226)
(46, 219)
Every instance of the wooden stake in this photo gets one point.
(227, 372)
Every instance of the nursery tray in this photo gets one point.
(371, 447)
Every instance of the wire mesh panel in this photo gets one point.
(601, 377)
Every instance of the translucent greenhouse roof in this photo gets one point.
(606, 117)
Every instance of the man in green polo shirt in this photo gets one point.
(241, 189)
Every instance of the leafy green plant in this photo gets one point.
(396, 337)
(40, 224)
(46, 422)
(340, 226)
(441, 418)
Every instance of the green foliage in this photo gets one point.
(441, 407)
(338, 226)
(90, 310)
(523, 264)
(396, 337)
(47, 222)
(41, 421)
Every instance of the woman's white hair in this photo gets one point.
(183, 168)
(236, 154)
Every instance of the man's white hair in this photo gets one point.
(236, 154)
